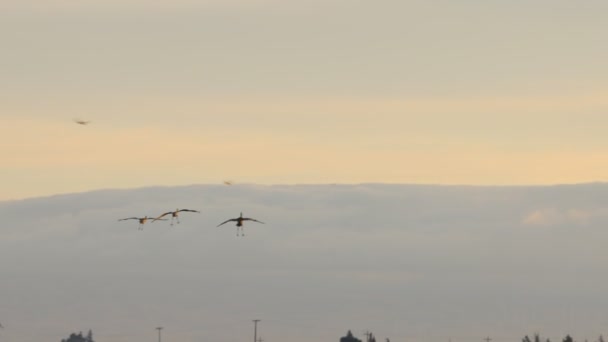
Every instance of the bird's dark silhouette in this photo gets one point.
(142, 221)
(82, 122)
(175, 214)
(239, 223)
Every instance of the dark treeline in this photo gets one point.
(568, 338)
(371, 338)
(348, 338)
(79, 338)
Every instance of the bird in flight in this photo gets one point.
(142, 221)
(82, 122)
(239, 223)
(175, 214)
(228, 182)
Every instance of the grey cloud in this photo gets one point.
(450, 261)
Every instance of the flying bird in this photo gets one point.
(175, 214)
(239, 223)
(228, 182)
(81, 122)
(142, 221)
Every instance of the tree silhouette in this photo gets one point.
(79, 338)
(349, 338)
(536, 339)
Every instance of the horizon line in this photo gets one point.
(251, 184)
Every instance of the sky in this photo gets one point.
(300, 92)
(407, 262)
(428, 170)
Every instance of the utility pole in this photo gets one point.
(255, 330)
(159, 329)
(368, 335)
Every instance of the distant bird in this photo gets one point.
(81, 122)
(174, 214)
(239, 223)
(228, 182)
(142, 221)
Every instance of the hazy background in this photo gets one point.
(282, 92)
(506, 94)
(412, 263)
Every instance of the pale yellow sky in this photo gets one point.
(302, 92)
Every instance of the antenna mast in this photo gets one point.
(255, 330)
(159, 329)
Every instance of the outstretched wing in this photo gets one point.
(129, 218)
(190, 210)
(227, 222)
(250, 219)
(158, 218)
